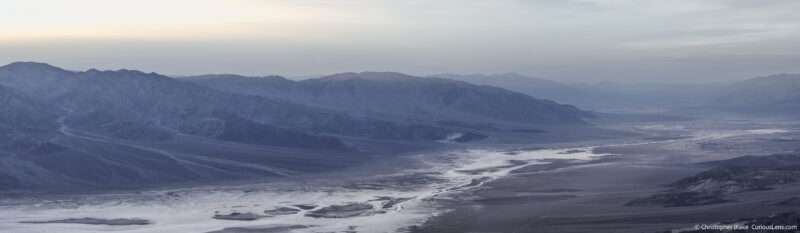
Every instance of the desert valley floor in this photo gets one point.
(574, 186)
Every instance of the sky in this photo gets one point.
(569, 40)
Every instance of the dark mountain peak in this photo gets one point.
(370, 75)
(137, 72)
(122, 72)
(128, 77)
(387, 76)
(273, 78)
(32, 70)
(34, 78)
(339, 76)
(216, 76)
(510, 79)
(235, 77)
(31, 66)
(243, 84)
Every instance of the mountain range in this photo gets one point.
(62, 129)
(775, 92)
(781, 89)
(96, 129)
(400, 96)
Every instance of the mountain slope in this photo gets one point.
(601, 95)
(99, 129)
(25, 113)
(770, 90)
(155, 101)
(397, 95)
(537, 87)
(24, 122)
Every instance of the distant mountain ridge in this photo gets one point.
(777, 89)
(542, 88)
(774, 93)
(400, 95)
(603, 95)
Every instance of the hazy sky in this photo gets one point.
(593, 40)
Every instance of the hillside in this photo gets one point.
(64, 130)
(782, 89)
(386, 94)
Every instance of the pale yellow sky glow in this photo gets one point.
(176, 19)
